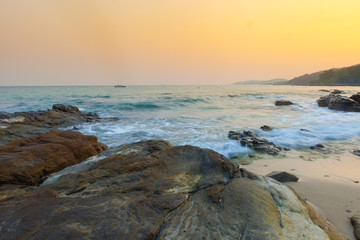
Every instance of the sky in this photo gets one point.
(199, 42)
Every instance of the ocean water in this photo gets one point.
(200, 116)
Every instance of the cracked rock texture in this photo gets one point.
(152, 190)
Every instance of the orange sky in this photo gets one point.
(61, 42)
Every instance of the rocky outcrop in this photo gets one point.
(340, 103)
(283, 176)
(283, 103)
(152, 190)
(28, 161)
(355, 221)
(25, 124)
(254, 141)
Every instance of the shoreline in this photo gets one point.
(328, 183)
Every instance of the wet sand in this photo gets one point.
(328, 182)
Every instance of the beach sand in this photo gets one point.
(327, 181)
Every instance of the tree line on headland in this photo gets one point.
(347, 76)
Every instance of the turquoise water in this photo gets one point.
(196, 116)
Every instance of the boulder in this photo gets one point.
(283, 103)
(355, 221)
(344, 104)
(325, 100)
(340, 103)
(283, 176)
(25, 124)
(28, 161)
(152, 190)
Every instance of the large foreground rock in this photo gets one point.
(28, 160)
(25, 124)
(152, 190)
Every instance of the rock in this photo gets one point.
(324, 90)
(337, 91)
(304, 130)
(344, 104)
(260, 144)
(66, 108)
(283, 103)
(283, 176)
(245, 133)
(356, 152)
(356, 97)
(325, 100)
(152, 190)
(317, 146)
(340, 103)
(252, 139)
(25, 124)
(28, 161)
(355, 221)
(266, 128)
(234, 135)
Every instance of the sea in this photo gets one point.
(198, 115)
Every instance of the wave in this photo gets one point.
(137, 106)
(89, 96)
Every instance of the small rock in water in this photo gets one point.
(356, 181)
(283, 177)
(317, 146)
(324, 90)
(266, 128)
(304, 130)
(283, 103)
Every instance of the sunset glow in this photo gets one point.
(173, 42)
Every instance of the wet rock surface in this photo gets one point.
(24, 124)
(28, 161)
(254, 141)
(152, 190)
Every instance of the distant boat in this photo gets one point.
(119, 86)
